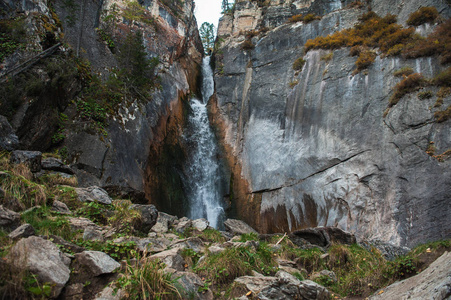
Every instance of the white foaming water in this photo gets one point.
(202, 170)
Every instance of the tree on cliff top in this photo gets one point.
(207, 34)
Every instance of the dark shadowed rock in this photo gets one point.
(9, 220)
(434, 283)
(54, 164)
(92, 194)
(149, 215)
(30, 158)
(8, 139)
(321, 236)
(22, 231)
(238, 227)
(68, 246)
(42, 258)
(97, 262)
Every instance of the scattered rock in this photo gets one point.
(42, 258)
(255, 284)
(164, 222)
(54, 164)
(153, 244)
(92, 234)
(433, 283)
(22, 231)
(66, 246)
(216, 249)
(8, 139)
(286, 286)
(149, 215)
(61, 207)
(9, 220)
(191, 286)
(92, 194)
(200, 224)
(108, 293)
(97, 262)
(238, 227)
(171, 258)
(387, 249)
(82, 223)
(183, 224)
(329, 274)
(73, 291)
(30, 158)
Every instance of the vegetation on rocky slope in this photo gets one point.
(208, 254)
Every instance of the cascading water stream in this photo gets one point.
(203, 173)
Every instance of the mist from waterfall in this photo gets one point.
(202, 172)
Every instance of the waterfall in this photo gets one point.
(202, 172)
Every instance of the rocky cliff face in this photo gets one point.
(125, 153)
(314, 148)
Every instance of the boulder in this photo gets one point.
(108, 293)
(93, 193)
(9, 220)
(389, 250)
(153, 244)
(81, 223)
(22, 231)
(61, 207)
(149, 215)
(164, 222)
(8, 139)
(42, 258)
(73, 292)
(171, 258)
(238, 227)
(286, 286)
(97, 262)
(183, 224)
(192, 286)
(65, 245)
(32, 159)
(92, 234)
(324, 273)
(55, 164)
(255, 283)
(433, 283)
(200, 224)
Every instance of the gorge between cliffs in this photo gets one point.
(310, 124)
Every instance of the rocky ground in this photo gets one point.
(60, 241)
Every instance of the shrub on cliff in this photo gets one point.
(409, 84)
(423, 15)
(298, 64)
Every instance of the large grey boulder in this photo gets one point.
(149, 215)
(9, 219)
(8, 139)
(97, 262)
(55, 164)
(61, 207)
(434, 283)
(81, 223)
(238, 227)
(92, 194)
(200, 224)
(42, 258)
(32, 159)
